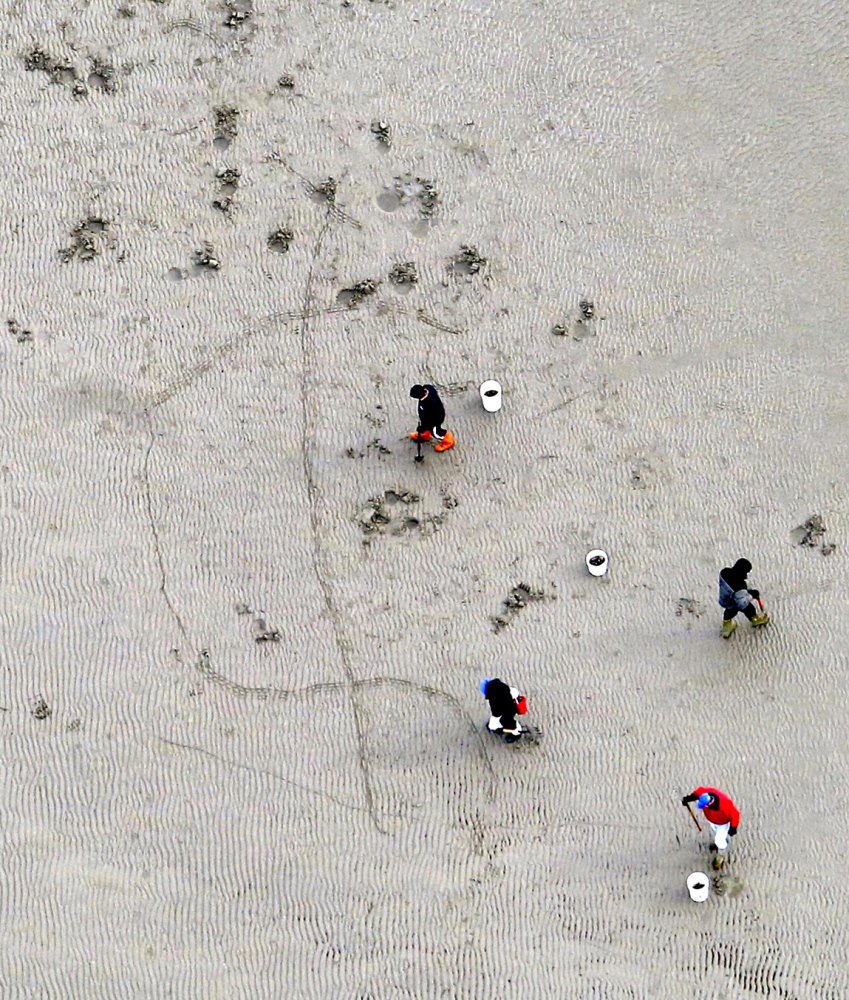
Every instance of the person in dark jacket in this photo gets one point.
(505, 703)
(735, 596)
(431, 418)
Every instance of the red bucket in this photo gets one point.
(522, 705)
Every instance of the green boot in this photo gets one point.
(728, 627)
(761, 619)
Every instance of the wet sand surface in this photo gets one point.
(242, 739)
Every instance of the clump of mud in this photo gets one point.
(286, 82)
(228, 182)
(408, 188)
(469, 260)
(225, 125)
(404, 274)
(519, 597)
(262, 633)
(38, 61)
(126, 11)
(691, 606)
(580, 326)
(22, 335)
(40, 709)
(280, 240)
(388, 513)
(812, 534)
(204, 259)
(382, 131)
(102, 76)
(326, 190)
(88, 239)
(354, 295)
(375, 445)
(237, 12)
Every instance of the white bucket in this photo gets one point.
(698, 885)
(491, 395)
(597, 562)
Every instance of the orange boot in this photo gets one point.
(424, 436)
(446, 443)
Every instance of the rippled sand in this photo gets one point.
(252, 628)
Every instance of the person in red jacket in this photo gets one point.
(722, 816)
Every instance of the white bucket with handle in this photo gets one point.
(598, 562)
(491, 395)
(698, 885)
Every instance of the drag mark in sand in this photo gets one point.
(206, 669)
(268, 774)
(191, 375)
(314, 497)
(157, 545)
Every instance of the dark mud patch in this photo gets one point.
(728, 885)
(689, 605)
(225, 126)
(642, 474)
(286, 82)
(812, 535)
(205, 260)
(382, 131)
(353, 296)
(375, 446)
(396, 512)
(20, 333)
(280, 240)
(468, 261)
(516, 601)
(228, 182)
(89, 239)
(40, 709)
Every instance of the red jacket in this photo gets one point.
(725, 812)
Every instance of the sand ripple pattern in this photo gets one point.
(242, 752)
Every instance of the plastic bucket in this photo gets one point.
(698, 885)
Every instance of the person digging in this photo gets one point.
(722, 816)
(735, 596)
(505, 703)
(431, 418)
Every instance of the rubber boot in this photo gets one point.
(728, 627)
(446, 443)
(424, 436)
(761, 619)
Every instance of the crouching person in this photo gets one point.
(505, 703)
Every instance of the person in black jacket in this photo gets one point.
(431, 418)
(735, 596)
(505, 703)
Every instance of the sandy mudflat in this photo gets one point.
(188, 453)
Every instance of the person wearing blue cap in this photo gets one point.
(722, 815)
(505, 703)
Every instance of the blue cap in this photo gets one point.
(704, 800)
(483, 684)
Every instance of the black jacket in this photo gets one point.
(500, 700)
(431, 410)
